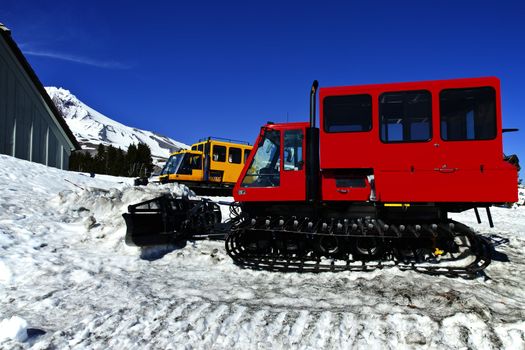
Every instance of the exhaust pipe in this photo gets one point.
(312, 151)
(313, 91)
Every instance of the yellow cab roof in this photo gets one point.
(224, 143)
(184, 151)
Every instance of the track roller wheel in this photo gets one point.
(367, 248)
(255, 242)
(329, 245)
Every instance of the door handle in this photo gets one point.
(342, 191)
(446, 170)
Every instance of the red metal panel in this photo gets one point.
(491, 186)
(433, 171)
(332, 192)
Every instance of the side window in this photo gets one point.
(200, 147)
(246, 154)
(468, 114)
(219, 153)
(293, 150)
(193, 148)
(405, 116)
(235, 155)
(348, 113)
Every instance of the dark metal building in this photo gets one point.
(31, 127)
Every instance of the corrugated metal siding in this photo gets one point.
(39, 137)
(65, 159)
(22, 124)
(25, 122)
(52, 149)
(3, 107)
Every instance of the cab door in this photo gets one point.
(293, 170)
(275, 170)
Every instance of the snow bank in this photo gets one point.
(64, 269)
(14, 328)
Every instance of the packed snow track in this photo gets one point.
(67, 280)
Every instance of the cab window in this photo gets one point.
(235, 155)
(219, 153)
(191, 162)
(347, 113)
(293, 150)
(265, 166)
(468, 114)
(405, 116)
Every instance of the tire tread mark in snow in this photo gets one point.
(321, 330)
(160, 318)
(275, 326)
(300, 327)
(228, 336)
(346, 331)
(187, 327)
(213, 323)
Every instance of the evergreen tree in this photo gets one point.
(100, 160)
(88, 163)
(111, 155)
(131, 162)
(137, 162)
(74, 161)
(120, 165)
(144, 157)
(81, 161)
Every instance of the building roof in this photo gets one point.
(6, 34)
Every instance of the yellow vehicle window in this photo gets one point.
(219, 153)
(235, 155)
(190, 162)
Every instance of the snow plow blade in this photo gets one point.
(168, 219)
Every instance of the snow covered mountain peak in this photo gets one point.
(92, 128)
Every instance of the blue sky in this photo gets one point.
(193, 69)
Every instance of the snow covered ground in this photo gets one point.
(68, 281)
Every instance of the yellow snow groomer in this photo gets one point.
(210, 167)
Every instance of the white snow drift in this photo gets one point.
(68, 281)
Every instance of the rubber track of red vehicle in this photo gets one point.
(477, 250)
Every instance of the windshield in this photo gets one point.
(264, 169)
(172, 164)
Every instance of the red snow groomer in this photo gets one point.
(372, 186)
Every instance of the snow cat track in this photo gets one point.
(302, 245)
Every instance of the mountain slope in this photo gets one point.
(92, 128)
